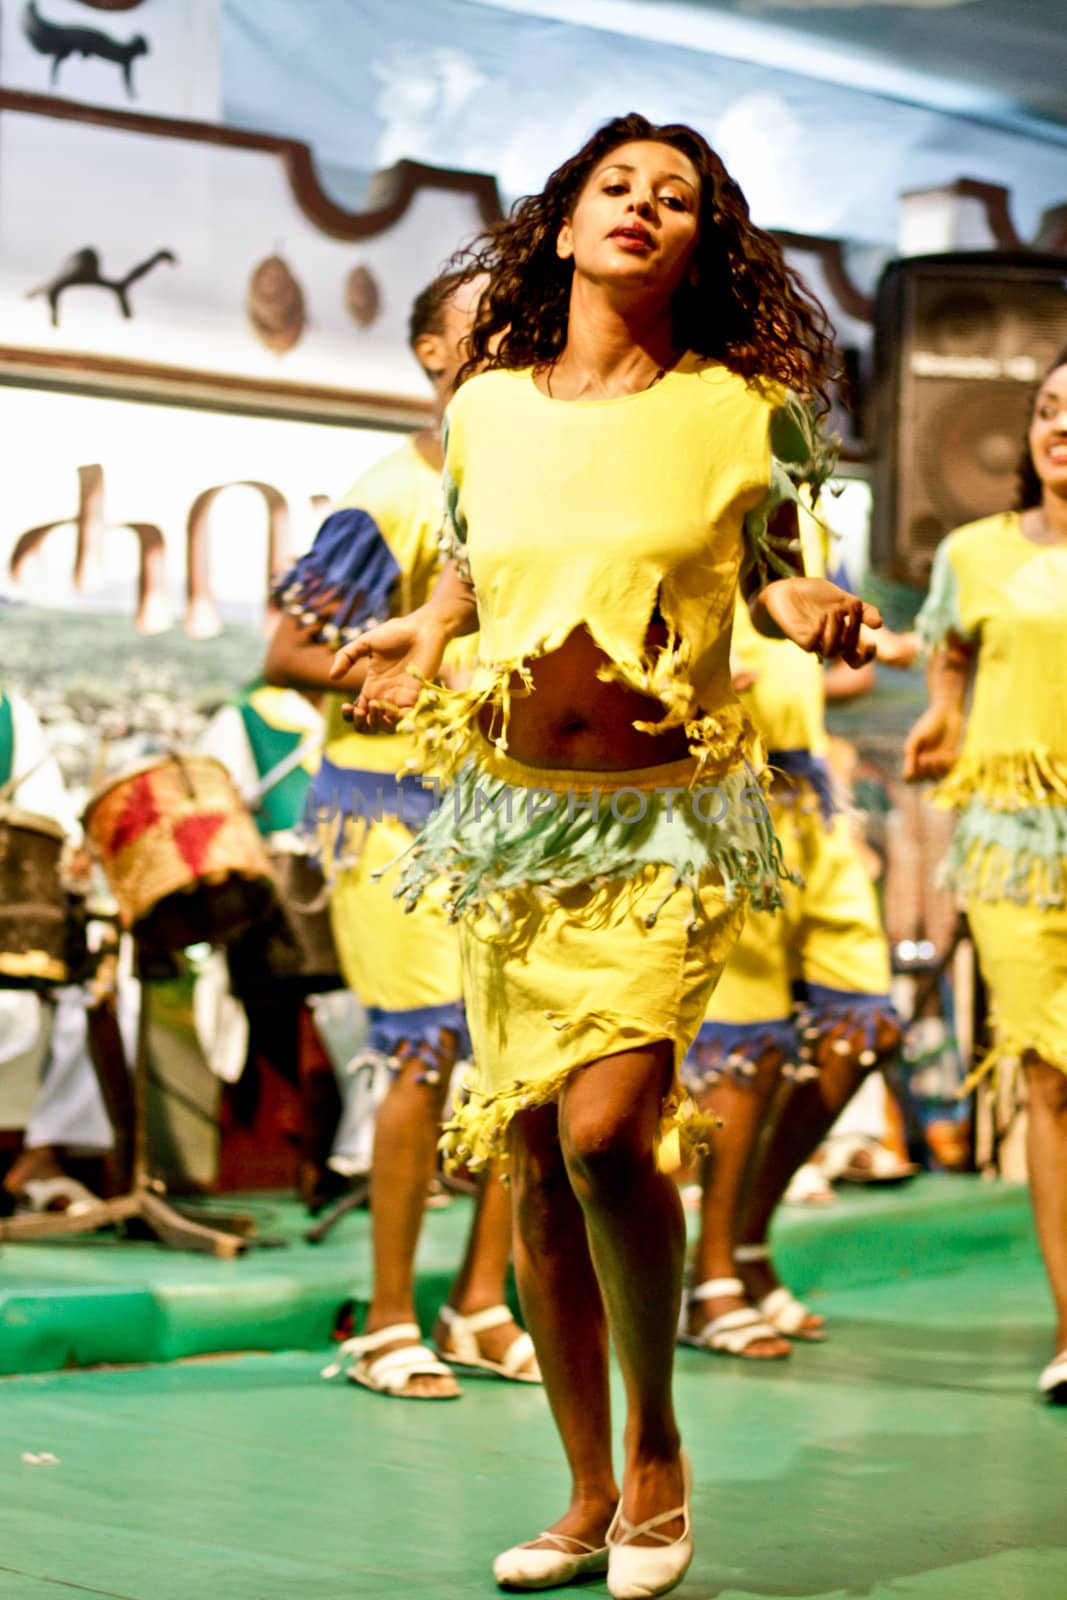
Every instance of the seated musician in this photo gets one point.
(68, 1114)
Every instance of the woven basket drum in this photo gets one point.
(181, 853)
(33, 908)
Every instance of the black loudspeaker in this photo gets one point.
(959, 343)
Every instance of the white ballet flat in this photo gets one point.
(571, 1561)
(1053, 1381)
(637, 1571)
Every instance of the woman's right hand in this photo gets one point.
(400, 656)
(933, 744)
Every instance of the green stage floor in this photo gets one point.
(906, 1457)
(90, 1301)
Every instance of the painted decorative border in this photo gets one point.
(1051, 235)
(831, 256)
(77, 373)
(394, 189)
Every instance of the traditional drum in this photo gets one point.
(33, 907)
(181, 853)
(303, 947)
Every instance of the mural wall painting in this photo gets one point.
(82, 269)
(275, 305)
(59, 41)
(362, 296)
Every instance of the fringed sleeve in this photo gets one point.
(940, 614)
(346, 581)
(802, 456)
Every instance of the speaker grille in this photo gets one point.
(960, 342)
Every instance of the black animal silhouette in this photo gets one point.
(58, 41)
(83, 268)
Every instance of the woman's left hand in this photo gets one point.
(821, 618)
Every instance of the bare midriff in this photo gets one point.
(571, 719)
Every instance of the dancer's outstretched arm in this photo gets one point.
(816, 614)
(406, 652)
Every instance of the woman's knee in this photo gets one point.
(605, 1154)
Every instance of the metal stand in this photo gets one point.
(359, 1196)
(145, 1202)
(356, 1198)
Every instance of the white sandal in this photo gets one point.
(781, 1307)
(467, 1354)
(637, 1571)
(524, 1568)
(1053, 1381)
(44, 1194)
(733, 1332)
(391, 1372)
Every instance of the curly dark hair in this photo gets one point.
(745, 306)
(1028, 487)
(428, 307)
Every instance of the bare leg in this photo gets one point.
(403, 1164)
(564, 1312)
(725, 1175)
(482, 1278)
(804, 1115)
(1047, 1159)
(609, 1115)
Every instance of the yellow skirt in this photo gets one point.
(1022, 951)
(561, 975)
(392, 960)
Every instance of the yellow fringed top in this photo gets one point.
(993, 587)
(603, 513)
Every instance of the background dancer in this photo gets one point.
(997, 613)
(378, 553)
(602, 482)
(805, 994)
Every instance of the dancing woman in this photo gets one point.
(997, 613)
(604, 831)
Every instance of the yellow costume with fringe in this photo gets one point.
(824, 957)
(997, 590)
(378, 555)
(597, 908)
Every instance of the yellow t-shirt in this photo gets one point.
(993, 587)
(402, 494)
(787, 702)
(376, 556)
(601, 513)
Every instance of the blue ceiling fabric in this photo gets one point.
(459, 83)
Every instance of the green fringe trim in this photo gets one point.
(939, 616)
(802, 457)
(1010, 855)
(502, 848)
(478, 1130)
